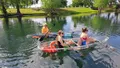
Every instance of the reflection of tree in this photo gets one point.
(15, 42)
(6, 20)
(103, 25)
(56, 23)
(15, 31)
(21, 25)
(81, 19)
(97, 23)
(100, 24)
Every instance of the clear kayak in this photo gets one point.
(52, 48)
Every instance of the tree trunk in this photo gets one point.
(18, 10)
(99, 10)
(3, 8)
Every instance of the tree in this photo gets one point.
(86, 3)
(64, 3)
(51, 3)
(77, 3)
(101, 4)
(20, 4)
(3, 7)
(111, 3)
(49, 6)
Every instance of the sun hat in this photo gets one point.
(44, 24)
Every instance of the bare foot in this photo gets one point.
(87, 46)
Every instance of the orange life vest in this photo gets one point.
(51, 48)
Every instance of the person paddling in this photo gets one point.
(45, 30)
(84, 38)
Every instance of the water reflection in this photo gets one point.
(13, 44)
(17, 51)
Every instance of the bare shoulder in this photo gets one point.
(83, 35)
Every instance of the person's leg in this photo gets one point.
(47, 35)
(69, 42)
(90, 40)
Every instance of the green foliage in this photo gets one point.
(64, 3)
(101, 3)
(57, 24)
(21, 3)
(0, 7)
(86, 3)
(77, 3)
(51, 4)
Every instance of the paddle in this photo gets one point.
(42, 37)
(53, 35)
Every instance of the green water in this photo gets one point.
(19, 50)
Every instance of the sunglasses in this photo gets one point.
(62, 33)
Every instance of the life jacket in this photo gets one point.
(51, 48)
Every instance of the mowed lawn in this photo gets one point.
(24, 11)
(35, 11)
(80, 9)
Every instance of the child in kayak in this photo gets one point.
(45, 30)
(84, 38)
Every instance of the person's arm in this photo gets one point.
(79, 42)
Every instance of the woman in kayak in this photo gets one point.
(59, 40)
(84, 38)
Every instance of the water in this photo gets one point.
(19, 51)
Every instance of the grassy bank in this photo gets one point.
(80, 10)
(23, 11)
(62, 11)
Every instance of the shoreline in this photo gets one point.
(61, 12)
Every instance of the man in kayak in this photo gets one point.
(84, 38)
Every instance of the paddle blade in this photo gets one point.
(105, 40)
(35, 36)
(28, 36)
(41, 39)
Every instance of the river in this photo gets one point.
(19, 51)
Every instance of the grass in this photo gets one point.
(0, 12)
(77, 11)
(23, 11)
(80, 10)
(63, 11)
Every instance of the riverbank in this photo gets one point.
(61, 11)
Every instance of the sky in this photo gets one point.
(39, 3)
(69, 2)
